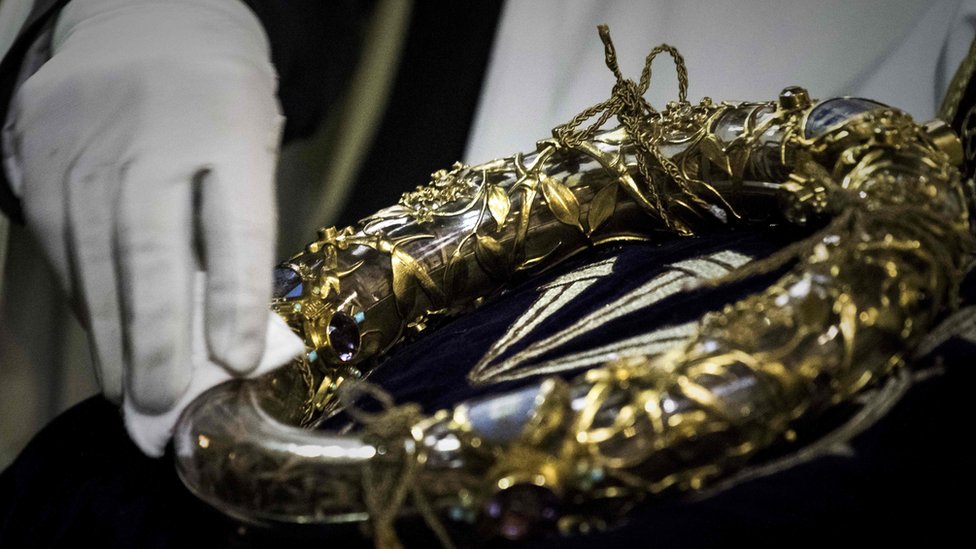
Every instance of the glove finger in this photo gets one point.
(238, 229)
(156, 266)
(91, 201)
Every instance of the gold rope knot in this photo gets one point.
(386, 486)
(636, 115)
(631, 98)
(627, 99)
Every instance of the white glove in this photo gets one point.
(144, 150)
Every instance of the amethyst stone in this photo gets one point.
(287, 283)
(343, 336)
(523, 510)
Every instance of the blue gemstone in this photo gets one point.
(287, 283)
(501, 418)
(832, 112)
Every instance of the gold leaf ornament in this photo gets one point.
(404, 283)
(499, 204)
(408, 277)
(455, 275)
(602, 206)
(715, 154)
(562, 202)
(492, 256)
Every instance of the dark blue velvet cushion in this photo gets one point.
(433, 370)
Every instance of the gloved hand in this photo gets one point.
(151, 431)
(144, 151)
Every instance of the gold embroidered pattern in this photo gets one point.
(672, 280)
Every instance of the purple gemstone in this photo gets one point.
(343, 336)
(287, 283)
(523, 510)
